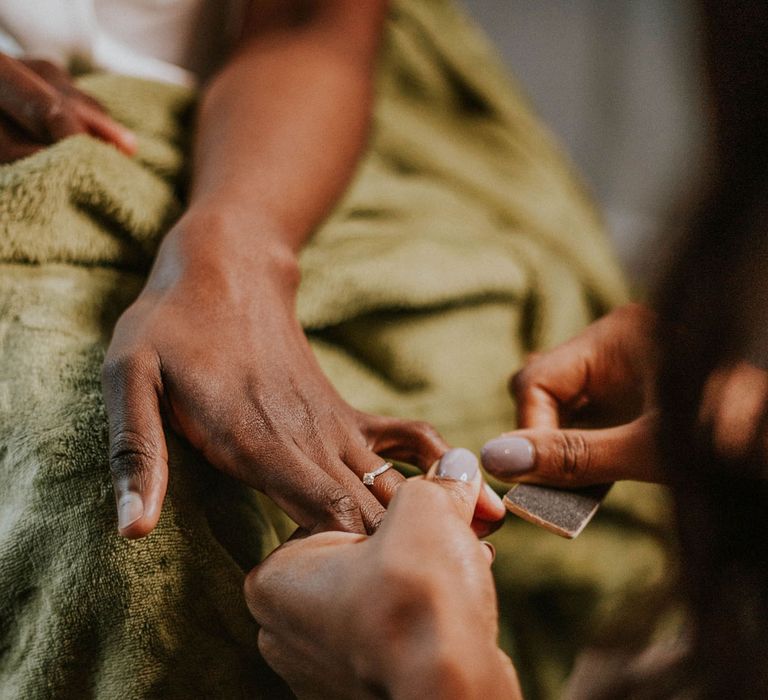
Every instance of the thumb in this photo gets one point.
(457, 473)
(574, 458)
(138, 455)
(450, 488)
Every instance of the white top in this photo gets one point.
(177, 41)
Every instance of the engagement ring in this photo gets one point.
(369, 477)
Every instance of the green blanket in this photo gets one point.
(463, 243)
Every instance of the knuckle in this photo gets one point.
(414, 594)
(344, 512)
(130, 454)
(256, 589)
(572, 456)
(376, 521)
(118, 369)
(523, 382)
(268, 645)
(53, 111)
(426, 430)
(518, 383)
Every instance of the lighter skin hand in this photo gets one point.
(409, 612)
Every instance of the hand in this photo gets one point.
(216, 349)
(407, 613)
(39, 105)
(605, 374)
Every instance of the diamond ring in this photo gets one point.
(369, 477)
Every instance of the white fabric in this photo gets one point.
(177, 41)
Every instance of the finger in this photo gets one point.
(605, 365)
(362, 462)
(573, 458)
(315, 500)
(414, 442)
(457, 473)
(14, 144)
(443, 501)
(35, 105)
(417, 442)
(53, 74)
(349, 472)
(61, 80)
(138, 455)
(105, 128)
(548, 383)
(536, 407)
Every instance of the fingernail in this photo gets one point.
(130, 142)
(458, 464)
(508, 455)
(129, 509)
(494, 497)
(490, 551)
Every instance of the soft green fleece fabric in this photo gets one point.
(463, 243)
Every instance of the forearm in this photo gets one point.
(281, 128)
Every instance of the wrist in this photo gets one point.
(219, 248)
(460, 670)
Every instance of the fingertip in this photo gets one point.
(130, 508)
(137, 512)
(458, 472)
(458, 464)
(127, 142)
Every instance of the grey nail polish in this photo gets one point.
(458, 464)
(129, 509)
(508, 455)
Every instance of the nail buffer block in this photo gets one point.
(566, 513)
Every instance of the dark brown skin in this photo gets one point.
(212, 345)
(39, 105)
(607, 373)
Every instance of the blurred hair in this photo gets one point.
(714, 313)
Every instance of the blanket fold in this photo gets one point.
(463, 243)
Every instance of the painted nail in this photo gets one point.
(494, 497)
(458, 464)
(129, 509)
(508, 455)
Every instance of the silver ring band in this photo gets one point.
(369, 477)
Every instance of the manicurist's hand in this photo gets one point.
(409, 612)
(40, 105)
(607, 374)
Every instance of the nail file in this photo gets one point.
(566, 513)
